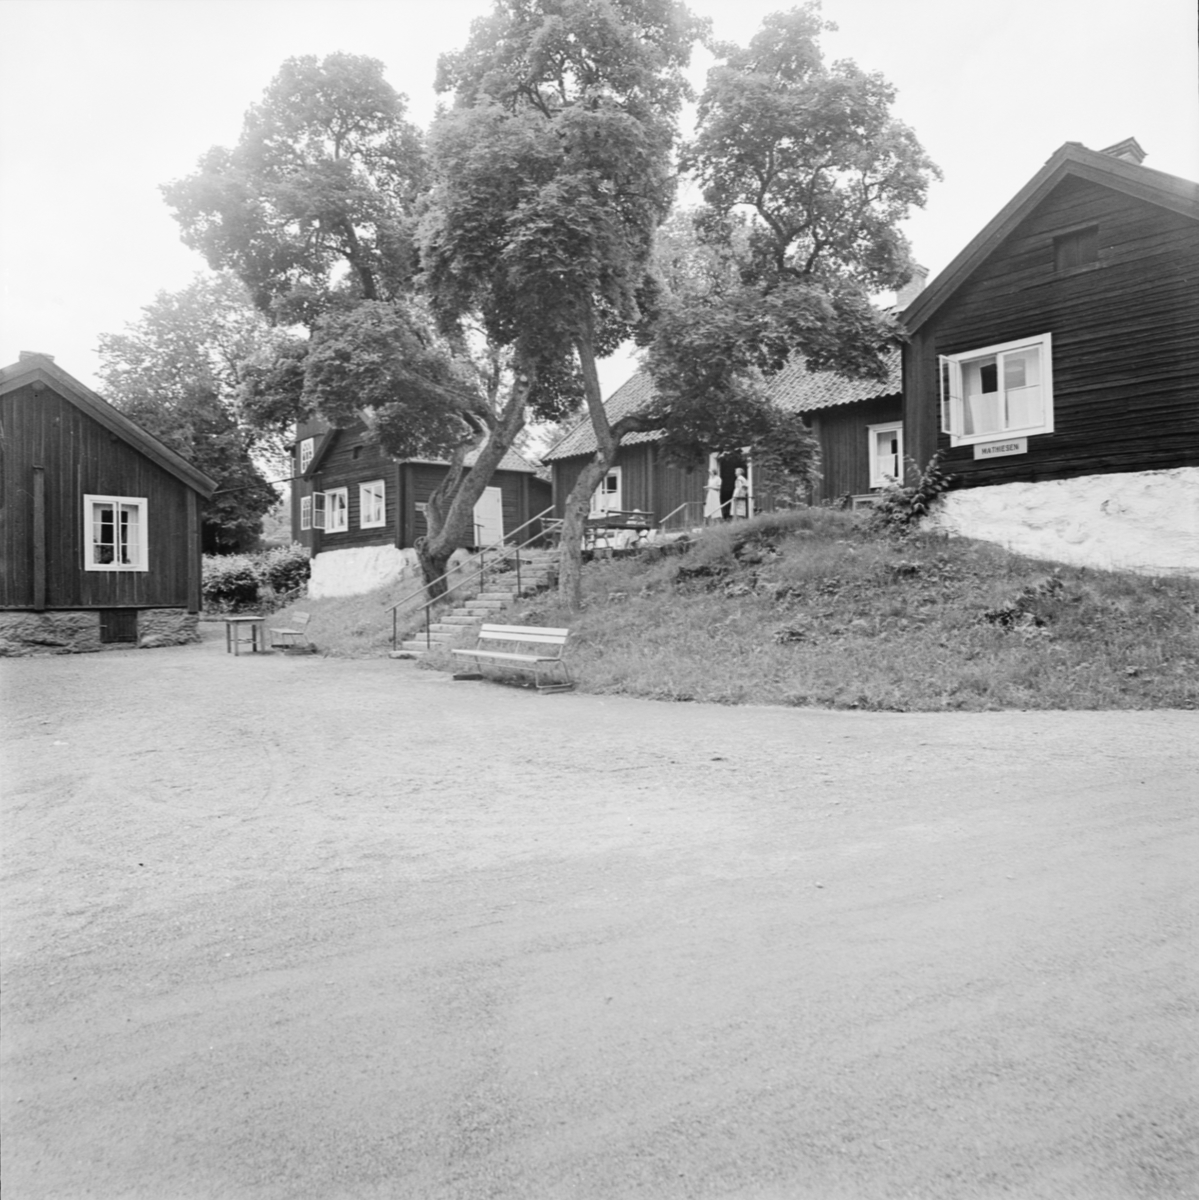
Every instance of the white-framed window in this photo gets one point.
(372, 508)
(886, 453)
(305, 512)
(115, 533)
(331, 510)
(606, 497)
(998, 391)
(307, 447)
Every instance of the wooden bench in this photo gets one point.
(529, 648)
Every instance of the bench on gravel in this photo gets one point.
(522, 648)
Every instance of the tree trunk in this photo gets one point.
(451, 507)
(570, 566)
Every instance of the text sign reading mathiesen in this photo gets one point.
(999, 449)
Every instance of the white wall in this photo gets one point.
(1144, 521)
(358, 569)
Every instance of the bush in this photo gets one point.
(263, 580)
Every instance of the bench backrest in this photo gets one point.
(533, 634)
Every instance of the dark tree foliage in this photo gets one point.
(326, 176)
(806, 176)
(178, 373)
(552, 172)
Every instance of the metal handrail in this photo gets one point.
(480, 575)
(425, 586)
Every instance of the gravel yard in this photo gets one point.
(302, 927)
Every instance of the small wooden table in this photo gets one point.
(233, 634)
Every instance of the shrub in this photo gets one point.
(263, 580)
(901, 506)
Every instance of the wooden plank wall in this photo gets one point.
(1125, 340)
(79, 457)
(844, 444)
(649, 481)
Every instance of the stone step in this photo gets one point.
(484, 606)
(502, 596)
(456, 620)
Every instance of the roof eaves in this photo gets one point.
(1157, 187)
(44, 370)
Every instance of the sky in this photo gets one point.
(105, 100)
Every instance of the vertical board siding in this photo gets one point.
(844, 444)
(82, 457)
(1125, 340)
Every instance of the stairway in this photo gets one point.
(454, 627)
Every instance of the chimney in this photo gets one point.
(913, 287)
(1128, 150)
(25, 355)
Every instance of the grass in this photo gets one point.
(810, 608)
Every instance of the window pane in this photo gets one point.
(103, 533)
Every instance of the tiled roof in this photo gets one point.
(794, 388)
(512, 461)
(632, 396)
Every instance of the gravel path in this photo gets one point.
(295, 927)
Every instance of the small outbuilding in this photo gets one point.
(99, 521)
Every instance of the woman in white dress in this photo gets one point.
(740, 504)
(713, 510)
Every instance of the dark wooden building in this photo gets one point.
(359, 511)
(99, 521)
(1064, 339)
(1055, 361)
(857, 423)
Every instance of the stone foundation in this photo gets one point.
(1143, 521)
(166, 627)
(49, 632)
(78, 632)
(359, 569)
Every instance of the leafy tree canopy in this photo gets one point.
(806, 176)
(316, 203)
(178, 372)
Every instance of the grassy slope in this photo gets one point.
(806, 608)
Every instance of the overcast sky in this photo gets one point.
(104, 100)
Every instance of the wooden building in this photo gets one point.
(1062, 345)
(857, 423)
(99, 521)
(359, 511)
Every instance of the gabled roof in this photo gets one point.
(324, 440)
(1071, 160)
(793, 389)
(41, 368)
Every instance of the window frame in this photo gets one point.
(142, 527)
(378, 502)
(305, 513)
(307, 450)
(953, 399)
(878, 479)
(337, 506)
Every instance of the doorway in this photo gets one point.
(728, 473)
(489, 518)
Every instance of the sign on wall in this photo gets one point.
(1001, 449)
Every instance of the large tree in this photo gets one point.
(178, 372)
(806, 176)
(555, 167)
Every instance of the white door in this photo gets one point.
(606, 497)
(489, 518)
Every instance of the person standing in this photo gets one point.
(740, 502)
(713, 509)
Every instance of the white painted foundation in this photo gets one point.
(359, 569)
(1143, 521)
